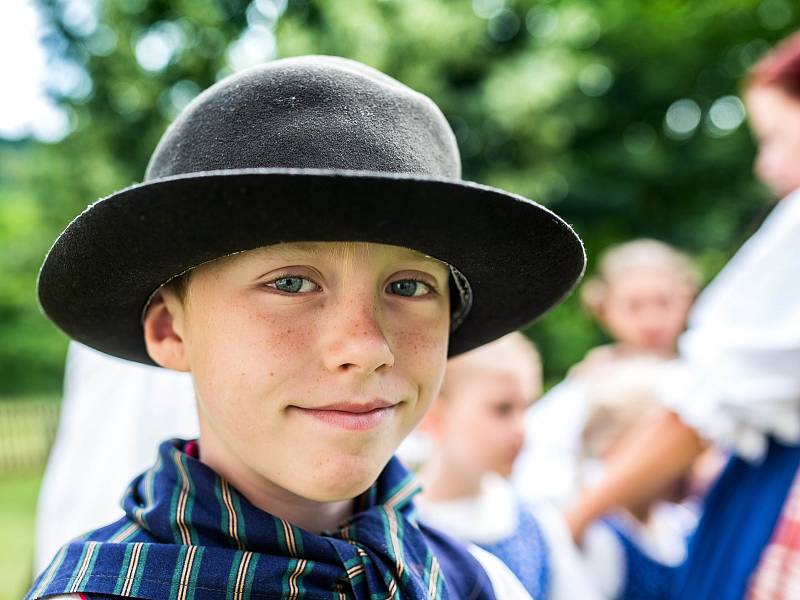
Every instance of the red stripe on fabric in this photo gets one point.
(192, 449)
(777, 569)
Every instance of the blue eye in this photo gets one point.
(409, 288)
(293, 285)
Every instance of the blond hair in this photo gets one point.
(619, 397)
(512, 352)
(640, 254)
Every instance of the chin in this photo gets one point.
(504, 469)
(781, 192)
(344, 477)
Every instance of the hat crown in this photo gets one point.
(311, 112)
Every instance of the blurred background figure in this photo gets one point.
(741, 384)
(476, 428)
(113, 416)
(633, 553)
(640, 293)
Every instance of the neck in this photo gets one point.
(312, 515)
(444, 479)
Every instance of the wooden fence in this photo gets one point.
(27, 430)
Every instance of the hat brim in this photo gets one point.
(519, 258)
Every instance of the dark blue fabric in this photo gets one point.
(645, 577)
(462, 572)
(187, 528)
(738, 519)
(525, 552)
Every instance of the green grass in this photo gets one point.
(17, 510)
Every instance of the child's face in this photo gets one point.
(289, 344)
(481, 422)
(646, 309)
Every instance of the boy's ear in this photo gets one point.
(163, 331)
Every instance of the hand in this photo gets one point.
(576, 521)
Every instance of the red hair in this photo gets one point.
(779, 67)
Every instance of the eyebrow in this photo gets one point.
(319, 249)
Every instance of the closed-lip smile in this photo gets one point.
(355, 416)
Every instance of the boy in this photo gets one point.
(322, 257)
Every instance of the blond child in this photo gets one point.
(640, 294)
(476, 428)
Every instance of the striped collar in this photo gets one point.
(188, 534)
(182, 515)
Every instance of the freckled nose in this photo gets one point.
(354, 339)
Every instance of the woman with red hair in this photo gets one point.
(772, 91)
(740, 365)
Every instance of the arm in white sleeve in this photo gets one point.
(747, 395)
(741, 353)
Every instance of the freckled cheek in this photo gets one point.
(419, 333)
(422, 354)
(280, 338)
(417, 346)
(240, 352)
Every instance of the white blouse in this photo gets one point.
(113, 416)
(740, 356)
(491, 516)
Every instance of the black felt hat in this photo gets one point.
(314, 148)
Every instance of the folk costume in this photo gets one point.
(634, 561)
(624, 558)
(497, 523)
(187, 533)
(304, 149)
(743, 352)
(533, 541)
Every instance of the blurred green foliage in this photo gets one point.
(621, 116)
(17, 507)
